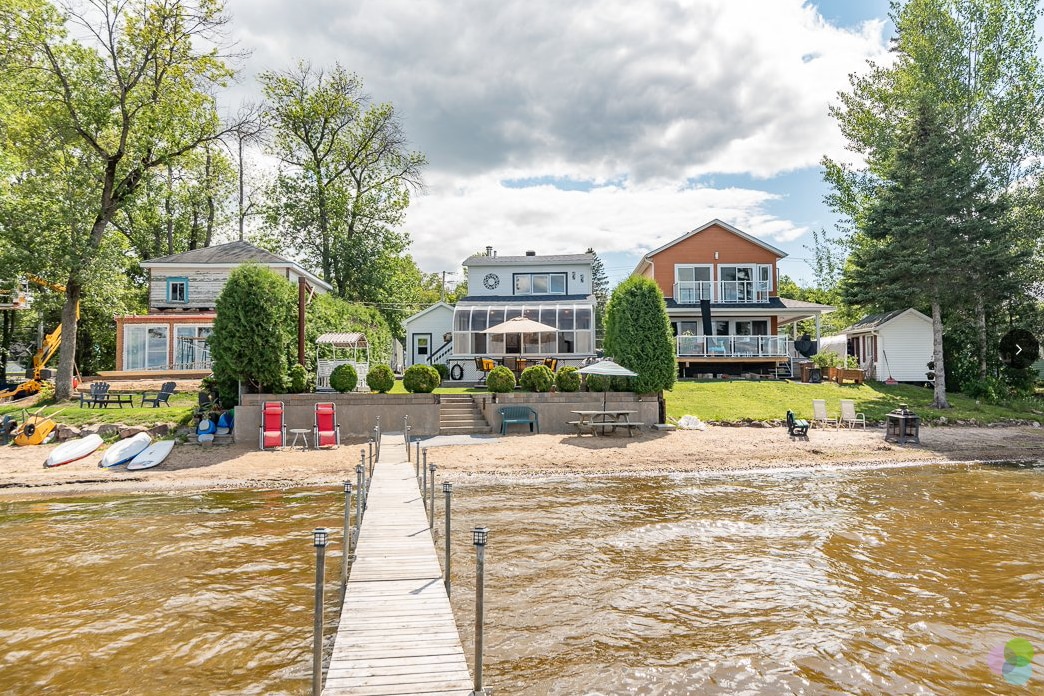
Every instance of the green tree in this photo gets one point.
(600, 289)
(254, 330)
(915, 238)
(976, 62)
(638, 334)
(125, 86)
(346, 176)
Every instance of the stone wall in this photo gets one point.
(356, 413)
(554, 410)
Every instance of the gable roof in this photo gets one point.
(548, 260)
(646, 260)
(234, 254)
(876, 321)
(424, 311)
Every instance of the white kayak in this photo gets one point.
(125, 450)
(72, 450)
(152, 456)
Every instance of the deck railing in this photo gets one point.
(733, 346)
(732, 291)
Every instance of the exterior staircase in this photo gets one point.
(459, 415)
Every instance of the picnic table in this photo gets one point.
(118, 398)
(594, 421)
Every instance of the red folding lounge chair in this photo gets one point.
(326, 431)
(273, 429)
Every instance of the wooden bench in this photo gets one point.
(518, 415)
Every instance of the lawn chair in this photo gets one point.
(819, 414)
(97, 395)
(326, 431)
(795, 426)
(485, 366)
(849, 416)
(273, 429)
(161, 397)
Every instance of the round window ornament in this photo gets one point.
(491, 281)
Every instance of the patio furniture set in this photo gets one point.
(325, 430)
(100, 396)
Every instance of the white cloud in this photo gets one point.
(644, 94)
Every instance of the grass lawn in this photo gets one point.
(179, 411)
(738, 400)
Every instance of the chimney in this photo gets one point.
(489, 251)
(530, 253)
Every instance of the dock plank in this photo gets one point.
(397, 635)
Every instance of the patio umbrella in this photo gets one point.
(520, 325)
(607, 368)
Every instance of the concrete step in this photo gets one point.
(454, 430)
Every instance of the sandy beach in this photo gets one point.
(241, 465)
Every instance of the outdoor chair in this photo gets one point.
(551, 364)
(819, 414)
(326, 431)
(97, 395)
(849, 416)
(160, 397)
(795, 426)
(273, 429)
(485, 366)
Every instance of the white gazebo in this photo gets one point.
(335, 349)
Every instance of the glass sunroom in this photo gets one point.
(573, 336)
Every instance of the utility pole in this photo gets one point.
(444, 286)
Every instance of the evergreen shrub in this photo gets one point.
(638, 334)
(344, 378)
(500, 380)
(421, 379)
(599, 383)
(443, 370)
(568, 380)
(298, 380)
(380, 378)
(537, 378)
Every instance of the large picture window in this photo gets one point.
(574, 330)
(540, 283)
(145, 347)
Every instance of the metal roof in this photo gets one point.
(549, 260)
(343, 339)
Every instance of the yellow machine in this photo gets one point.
(34, 429)
(50, 346)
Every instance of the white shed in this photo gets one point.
(429, 332)
(896, 345)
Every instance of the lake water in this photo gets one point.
(891, 581)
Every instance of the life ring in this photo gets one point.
(457, 372)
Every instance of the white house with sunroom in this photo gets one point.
(553, 290)
(171, 339)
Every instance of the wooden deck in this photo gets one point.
(397, 634)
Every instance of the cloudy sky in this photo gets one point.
(618, 125)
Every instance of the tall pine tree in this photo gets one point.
(922, 227)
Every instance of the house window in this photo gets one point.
(737, 283)
(145, 347)
(692, 283)
(191, 351)
(540, 283)
(177, 289)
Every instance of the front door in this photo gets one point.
(421, 349)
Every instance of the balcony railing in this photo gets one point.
(733, 346)
(739, 291)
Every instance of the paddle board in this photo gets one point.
(152, 456)
(125, 450)
(72, 450)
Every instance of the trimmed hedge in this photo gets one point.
(421, 379)
(500, 380)
(443, 370)
(344, 378)
(599, 383)
(380, 379)
(568, 380)
(298, 380)
(537, 378)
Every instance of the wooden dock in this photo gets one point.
(396, 634)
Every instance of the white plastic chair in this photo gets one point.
(819, 414)
(849, 416)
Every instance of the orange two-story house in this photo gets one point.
(720, 285)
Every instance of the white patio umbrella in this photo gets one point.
(607, 368)
(520, 325)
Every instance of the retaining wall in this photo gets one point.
(554, 410)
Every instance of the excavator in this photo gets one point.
(43, 355)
